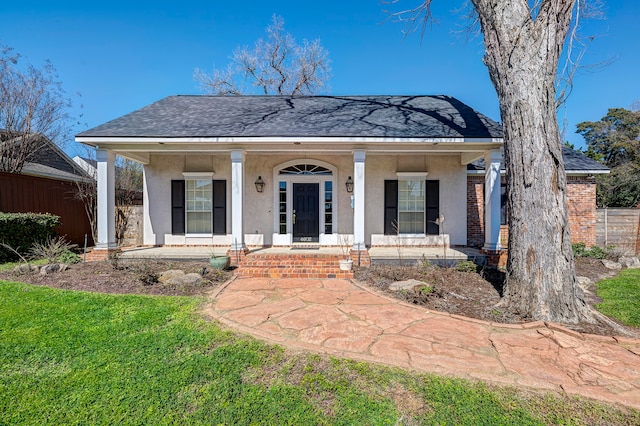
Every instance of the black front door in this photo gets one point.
(306, 223)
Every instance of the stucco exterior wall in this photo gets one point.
(453, 189)
(158, 174)
(259, 210)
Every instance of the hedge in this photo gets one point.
(22, 230)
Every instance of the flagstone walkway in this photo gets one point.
(338, 317)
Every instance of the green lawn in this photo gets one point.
(621, 297)
(69, 357)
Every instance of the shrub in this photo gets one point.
(581, 250)
(466, 266)
(425, 289)
(21, 230)
(578, 249)
(54, 250)
(68, 256)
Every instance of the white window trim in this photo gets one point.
(196, 176)
(414, 176)
(411, 175)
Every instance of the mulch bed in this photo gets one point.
(474, 294)
(127, 277)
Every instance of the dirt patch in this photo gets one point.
(127, 277)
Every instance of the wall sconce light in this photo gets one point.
(349, 185)
(259, 184)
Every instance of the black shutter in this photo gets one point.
(220, 207)
(503, 204)
(433, 206)
(177, 207)
(390, 207)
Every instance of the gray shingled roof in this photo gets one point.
(48, 160)
(574, 161)
(302, 116)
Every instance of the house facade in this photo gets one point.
(256, 171)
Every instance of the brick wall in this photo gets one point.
(475, 211)
(582, 211)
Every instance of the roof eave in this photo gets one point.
(568, 172)
(99, 140)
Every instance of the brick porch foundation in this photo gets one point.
(360, 258)
(96, 254)
(237, 257)
(497, 258)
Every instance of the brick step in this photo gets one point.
(302, 263)
(292, 266)
(293, 273)
(291, 260)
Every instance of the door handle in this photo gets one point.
(294, 218)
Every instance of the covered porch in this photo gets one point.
(369, 173)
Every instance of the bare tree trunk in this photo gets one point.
(522, 53)
(123, 214)
(86, 192)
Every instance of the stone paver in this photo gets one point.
(340, 318)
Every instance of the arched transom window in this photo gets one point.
(305, 169)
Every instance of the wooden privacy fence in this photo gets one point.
(30, 194)
(618, 227)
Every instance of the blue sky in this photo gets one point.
(116, 56)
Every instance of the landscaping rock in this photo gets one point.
(192, 279)
(405, 285)
(25, 268)
(170, 274)
(178, 277)
(631, 262)
(611, 265)
(49, 269)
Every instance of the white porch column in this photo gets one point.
(358, 201)
(148, 234)
(106, 194)
(493, 163)
(237, 192)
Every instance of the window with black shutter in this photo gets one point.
(220, 207)
(198, 206)
(433, 206)
(177, 207)
(411, 215)
(390, 206)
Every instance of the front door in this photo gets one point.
(306, 223)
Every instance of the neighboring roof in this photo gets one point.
(90, 161)
(574, 161)
(302, 116)
(89, 165)
(51, 162)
